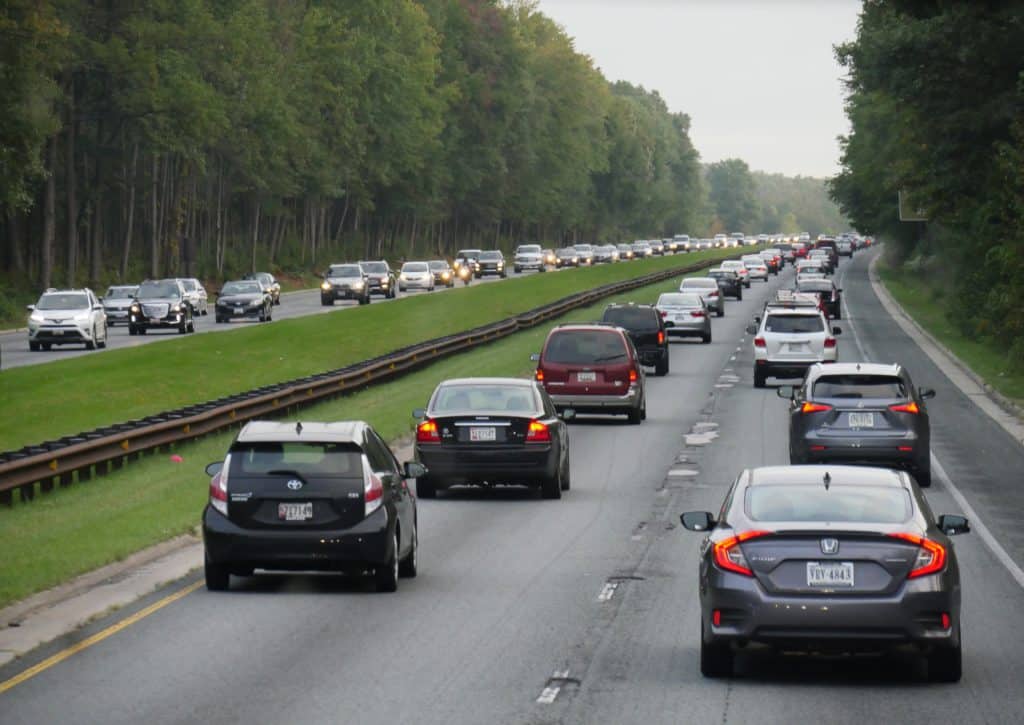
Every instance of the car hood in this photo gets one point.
(159, 300)
(240, 299)
(117, 304)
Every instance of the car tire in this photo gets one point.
(365, 300)
(634, 416)
(33, 347)
(721, 311)
(218, 576)
(759, 378)
(46, 346)
(923, 477)
(706, 339)
(945, 664)
(327, 301)
(716, 660)
(401, 289)
(739, 294)
(551, 488)
(91, 344)
(183, 327)
(425, 488)
(517, 270)
(409, 566)
(103, 344)
(661, 368)
(567, 475)
(219, 320)
(385, 577)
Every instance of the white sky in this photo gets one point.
(758, 78)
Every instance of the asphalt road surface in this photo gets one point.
(582, 610)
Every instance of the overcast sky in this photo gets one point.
(758, 78)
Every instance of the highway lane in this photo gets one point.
(514, 590)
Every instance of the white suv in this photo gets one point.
(789, 338)
(67, 317)
(529, 256)
(756, 267)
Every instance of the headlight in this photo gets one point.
(134, 308)
(255, 303)
(357, 285)
(445, 275)
(325, 285)
(402, 277)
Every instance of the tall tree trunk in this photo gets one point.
(14, 239)
(49, 216)
(154, 238)
(126, 244)
(255, 233)
(70, 189)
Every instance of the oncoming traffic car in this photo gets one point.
(415, 275)
(160, 304)
(828, 559)
(443, 273)
(344, 282)
(492, 431)
(116, 302)
(380, 279)
(67, 317)
(243, 299)
(310, 496)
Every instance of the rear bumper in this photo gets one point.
(365, 544)
(525, 464)
(652, 355)
(697, 328)
(785, 369)
(599, 403)
(863, 450)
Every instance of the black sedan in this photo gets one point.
(270, 285)
(830, 295)
(729, 282)
(492, 431)
(860, 413)
(310, 496)
(243, 299)
(828, 559)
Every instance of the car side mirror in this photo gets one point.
(30, 308)
(414, 469)
(785, 391)
(535, 357)
(212, 469)
(953, 524)
(839, 289)
(751, 329)
(419, 413)
(568, 414)
(837, 331)
(697, 521)
(926, 393)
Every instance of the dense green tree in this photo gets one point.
(731, 194)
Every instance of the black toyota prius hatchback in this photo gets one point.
(828, 559)
(310, 497)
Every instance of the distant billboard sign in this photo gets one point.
(909, 211)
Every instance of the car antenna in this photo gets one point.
(298, 431)
(827, 480)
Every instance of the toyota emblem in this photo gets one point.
(294, 484)
(829, 546)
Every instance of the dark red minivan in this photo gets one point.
(593, 368)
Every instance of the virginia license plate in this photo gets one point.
(838, 574)
(586, 377)
(295, 511)
(862, 420)
(482, 435)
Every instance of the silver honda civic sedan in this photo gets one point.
(827, 559)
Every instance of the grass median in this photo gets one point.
(74, 530)
(928, 306)
(43, 402)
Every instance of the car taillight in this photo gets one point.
(696, 313)
(759, 342)
(538, 432)
(931, 556)
(808, 407)
(713, 294)
(910, 407)
(830, 342)
(664, 314)
(661, 337)
(373, 492)
(219, 487)
(728, 555)
(632, 375)
(427, 432)
(539, 375)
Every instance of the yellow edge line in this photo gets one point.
(98, 637)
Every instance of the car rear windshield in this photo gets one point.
(679, 300)
(794, 323)
(814, 286)
(860, 386)
(349, 270)
(632, 318)
(707, 283)
(306, 459)
(838, 503)
(415, 267)
(586, 347)
(157, 290)
(63, 301)
(480, 398)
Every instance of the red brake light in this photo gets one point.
(540, 375)
(664, 314)
(830, 342)
(713, 294)
(427, 432)
(696, 313)
(931, 557)
(910, 407)
(632, 375)
(759, 342)
(538, 432)
(728, 555)
(661, 337)
(219, 487)
(373, 493)
(814, 408)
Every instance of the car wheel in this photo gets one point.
(103, 343)
(46, 345)
(567, 475)
(263, 315)
(425, 488)
(517, 270)
(365, 300)
(218, 576)
(661, 368)
(91, 344)
(551, 488)
(739, 294)
(759, 378)
(385, 577)
(401, 289)
(142, 330)
(721, 311)
(33, 346)
(635, 416)
(219, 320)
(945, 664)
(409, 566)
(924, 476)
(327, 301)
(706, 339)
(183, 327)
(716, 660)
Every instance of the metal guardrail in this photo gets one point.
(56, 463)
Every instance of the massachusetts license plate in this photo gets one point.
(829, 574)
(295, 511)
(586, 377)
(482, 434)
(862, 420)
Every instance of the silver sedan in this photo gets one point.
(685, 315)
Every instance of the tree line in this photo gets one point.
(936, 106)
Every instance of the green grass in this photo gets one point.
(43, 402)
(929, 306)
(74, 530)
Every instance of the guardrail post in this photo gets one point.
(28, 491)
(46, 485)
(66, 479)
(85, 474)
(7, 498)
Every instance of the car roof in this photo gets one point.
(268, 431)
(857, 368)
(516, 382)
(704, 281)
(814, 475)
(585, 327)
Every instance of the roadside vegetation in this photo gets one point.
(74, 530)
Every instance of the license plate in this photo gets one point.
(239, 310)
(482, 434)
(862, 420)
(586, 377)
(295, 511)
(797, 347)
(829, 574)
(58, 333)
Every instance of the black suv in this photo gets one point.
(646, 329)
(728, 281)
(380, 278)
(160, 303)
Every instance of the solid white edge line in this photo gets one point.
(977, 525)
